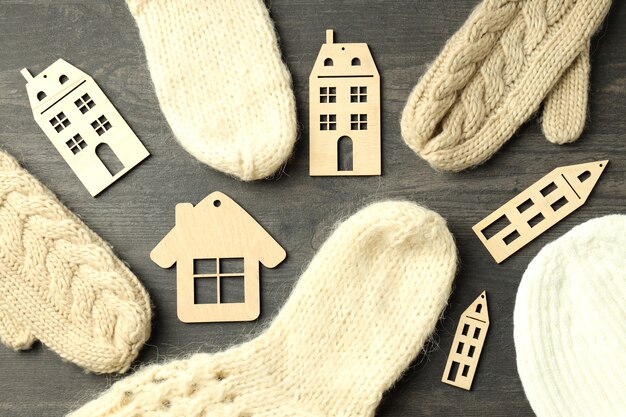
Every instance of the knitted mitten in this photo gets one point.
(61, 284)
(570, 323)
(220, 80)
(358, 316)
(494, 73)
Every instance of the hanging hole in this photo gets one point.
(600, 165)
(41, 95)
(45, 76)
(217, 203)
(343, 48)
(63, 79)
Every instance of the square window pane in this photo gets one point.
(333, 126)
(323, 126)
(363, 90)
(364, 117)
(354, 90)
(363, 126)
(323, 90)
(323, 118)
(333, 117)
(333, 90)
(353, 117)
(231, 266)
(354, 126)
(102, 119)
(333, 99)
(232, 290)
(204, 266)
(323, 99)
(363, 99)
(205, 290)
(354, 99)
(107, 126)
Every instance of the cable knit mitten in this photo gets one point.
(570, 323)
(358, 316)
(61, 284)
(491, 76)
(221, 82)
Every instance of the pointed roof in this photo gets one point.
(478, 310)
(220, 227)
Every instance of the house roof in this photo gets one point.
(342, 56)
(52, 84)
(216, 227)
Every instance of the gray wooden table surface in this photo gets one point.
(100, 37)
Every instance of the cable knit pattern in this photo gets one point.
(358, 316)
(60, 283)
(220, 80)
(495, 72)
(570, 323)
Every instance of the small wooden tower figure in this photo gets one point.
(467, 345)
(83, 125)
(344, 103)
(538, 208)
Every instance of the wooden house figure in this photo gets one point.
(217, 247)
(538, 208)
(468, 344)
(83, 125)
(344, 106)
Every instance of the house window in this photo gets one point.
(76, 144)
(328, 122)
(356, 62)
(328, 94)
(219, 281)
(358, 94)
(358, 121)
(465, 329)
(476, 333)
(84, 103)
(101, 125)
(60, 122)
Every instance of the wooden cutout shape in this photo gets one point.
(344, 111)
(81, 123)
(468, 344)
(217, 243)
(536, 209)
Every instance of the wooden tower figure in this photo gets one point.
(538, 208)
(468, 344)
(344, 103)
(83, 125)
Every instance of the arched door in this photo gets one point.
(344, 154)
(109, 159)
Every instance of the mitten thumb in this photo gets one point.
(565, 108)
(13, 334)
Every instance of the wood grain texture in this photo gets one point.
(100, 37)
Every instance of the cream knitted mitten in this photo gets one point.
(570, 323)
(220, 80)
(494, 73)
(358, 316)
(61, 284)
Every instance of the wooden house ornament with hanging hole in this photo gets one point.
(344, 103)
(83, 125)
(217, 247)
(467, 345)
(536, 209)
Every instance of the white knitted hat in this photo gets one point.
(570, 323)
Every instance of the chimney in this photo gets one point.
(183, 210)
(330, 35)
(26, 74)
